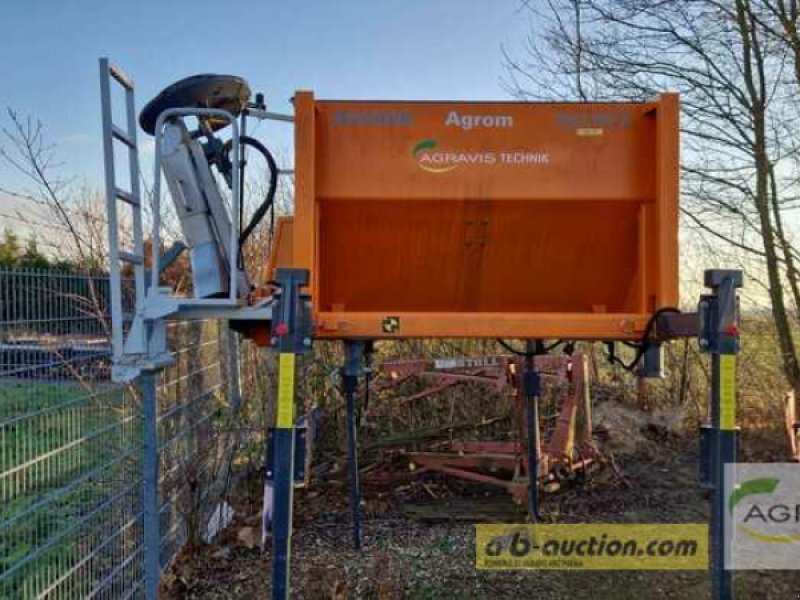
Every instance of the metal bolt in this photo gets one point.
(274, 341)
(307, 342)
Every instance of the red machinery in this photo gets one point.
(566, 450)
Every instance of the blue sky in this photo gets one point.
(405, 49)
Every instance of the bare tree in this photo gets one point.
(72, 219)
(736, 64)
(75, 214)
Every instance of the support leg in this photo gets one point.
(283, 478)
(717, 527)
(720, 337)
(531, 385)
(724, 448)
(352, 369)
(290, 336)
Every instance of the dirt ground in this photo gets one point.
(419, 539)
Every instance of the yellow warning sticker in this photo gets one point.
(727, 392)
(285, 418)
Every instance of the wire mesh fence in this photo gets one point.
(71, 519)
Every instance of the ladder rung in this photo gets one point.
(120, 76)
(126, 197)
(122, 136)
(131, 258)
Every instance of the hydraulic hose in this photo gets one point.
(269, 199)
(642, 345)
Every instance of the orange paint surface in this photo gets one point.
(485, 219)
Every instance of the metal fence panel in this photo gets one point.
(71, 519)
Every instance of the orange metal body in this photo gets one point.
(526, 220)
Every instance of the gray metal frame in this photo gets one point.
(143, 347)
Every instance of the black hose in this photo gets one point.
(269, 199)
(641, 347)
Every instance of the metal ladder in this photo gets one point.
(139, 341)
(114, 194)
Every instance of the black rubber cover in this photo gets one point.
(228, 92)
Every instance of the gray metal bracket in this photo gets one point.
(146, 343)
(677, 325)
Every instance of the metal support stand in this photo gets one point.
(152, 534)
(531, 384)
(719, 336)
(290, 336)
(353, 367)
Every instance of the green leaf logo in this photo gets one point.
(748, 488)
(423, 146)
